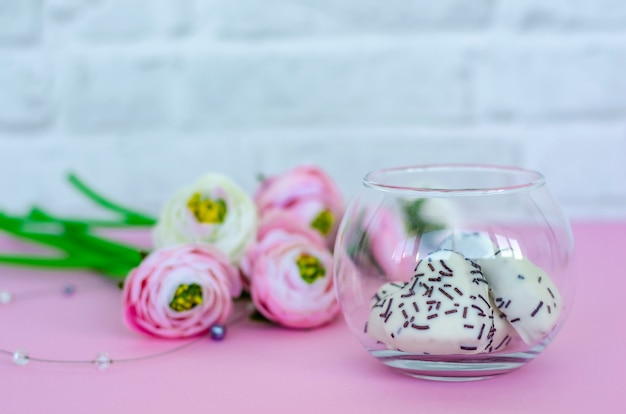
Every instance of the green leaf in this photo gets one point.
(415, 221)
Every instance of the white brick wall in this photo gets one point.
(353, 82)
(544, 78)
(118, 92)
(139, 96)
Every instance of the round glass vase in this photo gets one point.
(454, 272)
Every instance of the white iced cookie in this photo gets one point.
(473, 245)
(386, 290)
(524, 293)
(443, 310)
(375, 331)
(503, 335)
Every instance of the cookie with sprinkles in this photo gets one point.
(443, 310)
(524, 293)
(503, 337)
(386, 290)
(377, 303)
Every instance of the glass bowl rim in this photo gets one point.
(375, 179)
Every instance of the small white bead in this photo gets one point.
(102, 361)
(20, 357)
(5, 297)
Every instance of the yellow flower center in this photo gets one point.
(310, 267)
(186, 297)
(207, 210)
(323, 222)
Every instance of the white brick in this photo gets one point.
(350, 83)
(251, 18)
(584, 165)
(25, 91)
(564, 14)
(20, 21)
(118, 21)
(543, 80)
(117, 92)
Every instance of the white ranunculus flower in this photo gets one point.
(215, 211)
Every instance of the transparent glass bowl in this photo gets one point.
(454, 272)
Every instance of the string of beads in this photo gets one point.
(102, 360)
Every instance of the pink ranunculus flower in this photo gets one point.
(291, 278)
(276, 221)
(307, 195)
(180, 291)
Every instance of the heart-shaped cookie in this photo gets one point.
(524, 293)
(444, 309)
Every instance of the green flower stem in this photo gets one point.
(38, 214)
(121, 252)
(100, 261)
(131, 217)
(82, 250)
(78, 232)
(47, 262)
(77, 246)
(115, 272)
(16, 227)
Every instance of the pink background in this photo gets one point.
(260, 368)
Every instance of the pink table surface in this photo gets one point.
(259, 368)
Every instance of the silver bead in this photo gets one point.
(102, 361)
(5, 297)
(20, 357)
